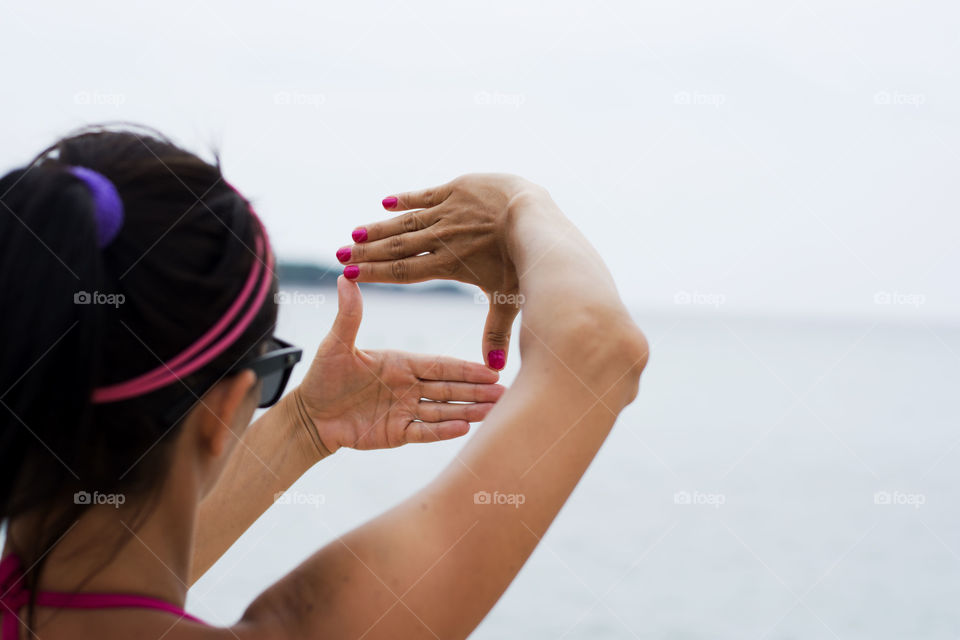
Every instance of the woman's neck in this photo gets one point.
(115, 549)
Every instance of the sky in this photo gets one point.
(773, 158)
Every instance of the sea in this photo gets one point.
(776, 477)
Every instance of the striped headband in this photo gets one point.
(212, 343)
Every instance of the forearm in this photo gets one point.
(273, 453)
(563, 279)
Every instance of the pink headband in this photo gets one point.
(198, 354)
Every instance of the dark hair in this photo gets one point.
(180, 259)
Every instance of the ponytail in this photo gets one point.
(50, 265)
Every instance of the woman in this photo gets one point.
(128, 466)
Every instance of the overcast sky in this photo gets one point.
(774, 157)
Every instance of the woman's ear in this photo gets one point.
(223, 406)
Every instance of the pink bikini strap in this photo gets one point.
(13, 596)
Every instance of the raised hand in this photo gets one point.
(379, 399)
(457, 232)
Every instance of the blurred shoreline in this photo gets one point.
(295, 275)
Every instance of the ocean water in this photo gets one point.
(775, 478)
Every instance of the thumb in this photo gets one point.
(496, 334)
(349, 313)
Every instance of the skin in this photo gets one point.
(435, 564)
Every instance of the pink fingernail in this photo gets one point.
(352, 272)
(360, 235)
(497, 358)
(343, 254)
(390, 202)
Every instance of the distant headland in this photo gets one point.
(324, 276)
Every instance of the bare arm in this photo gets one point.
(349, 398)
(434, 565)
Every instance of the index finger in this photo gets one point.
(453, 369)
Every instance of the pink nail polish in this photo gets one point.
(343, 254)
(497, 359)
(390, 202)
(352, 271)
(359, 235)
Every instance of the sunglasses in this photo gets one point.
(272, 368)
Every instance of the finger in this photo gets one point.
(435, 431)
(414, 269)
(406, 223)
(417, 199)
(429, 411)
(496, 334)
(461, 391)
(402, 245)
(451, 369)
(349, 312)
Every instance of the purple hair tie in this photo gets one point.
(108, 207)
